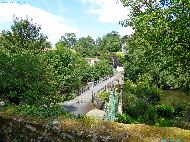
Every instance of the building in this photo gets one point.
(92, 61)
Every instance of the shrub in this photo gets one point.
(135, 107)
(104, 96)
(150, 116)
(181, 122)
(179, 110)
(151, 94)
(125, 118)
(165, 110)
(139, 97)
(164, 122)
(43, 111)
(145, 90)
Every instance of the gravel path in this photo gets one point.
(82, 104)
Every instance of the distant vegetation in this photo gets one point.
(34, 77)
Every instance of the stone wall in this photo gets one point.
(15, 129)
(27, 129)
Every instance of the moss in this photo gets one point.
(31, 129)
(149, 133)
(14, 127)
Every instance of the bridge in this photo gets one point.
(83, 103)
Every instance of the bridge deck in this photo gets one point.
(82, 104)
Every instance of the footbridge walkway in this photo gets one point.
(82, 103)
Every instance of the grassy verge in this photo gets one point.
(174, 97)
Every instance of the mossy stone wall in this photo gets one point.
(15, 129)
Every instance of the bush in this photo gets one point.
(164, 122)
(179, 110)
(125, 118)
(139, 97)
(165, 111)
(44, 111)
(150, 116)
(135, 107)
(145, 90)
(181, 122)
(151, 94)
(104, 96)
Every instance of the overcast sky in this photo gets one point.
(57, 17)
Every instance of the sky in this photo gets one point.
(57, 17)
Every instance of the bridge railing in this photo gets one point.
(92, 84)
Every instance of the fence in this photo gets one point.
(90, 85)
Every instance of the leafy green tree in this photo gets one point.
(68, 40)
(24, 75)
(24, 35)
(25, 79)
(99, 70)
(103, 68)
(86, 46)
(69, 68)
(111, 42)
(161, 42)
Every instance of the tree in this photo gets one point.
(69, 68)
(69, 40)
(24, 35)
(160, 44)
(86, 46)
(111, 42)
(24, 75)
(102, 69)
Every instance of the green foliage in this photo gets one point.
(69, 40)
(139, 100)
(142, 104)
(44, 111)
(102, 69)
(24, 75)
(179, 110)
(165, 111)
(104, 96)
(24, 36)
(69, 68)
(160, 44)
(171, 140)
(86, 47)
(111, 42)
(99, 70)
(134, 106)
(142, 90)
(159, 49)
(181, 122)
(121, 56)
(164, 122)
(125, 118)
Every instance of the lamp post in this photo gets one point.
(92, 91)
